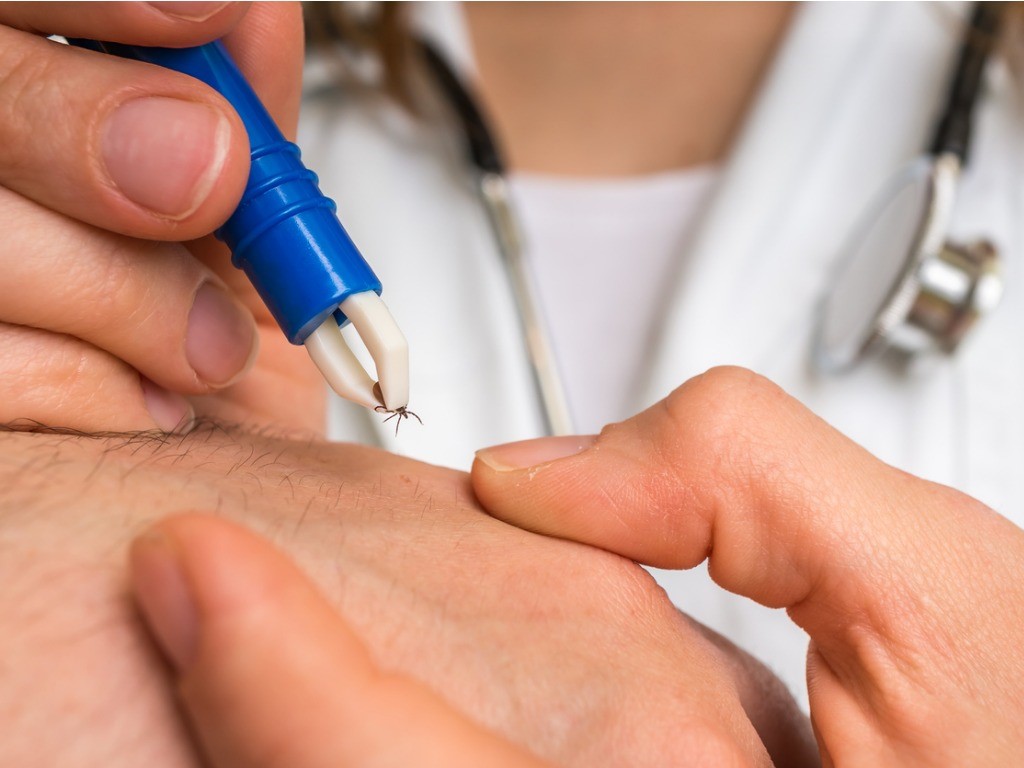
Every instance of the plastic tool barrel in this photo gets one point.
(284, 234)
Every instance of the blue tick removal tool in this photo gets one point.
(286, 237)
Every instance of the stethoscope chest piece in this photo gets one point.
(900, 284)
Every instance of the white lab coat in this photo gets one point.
(850, 98)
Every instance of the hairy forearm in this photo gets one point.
(81, 684)
(569, 650)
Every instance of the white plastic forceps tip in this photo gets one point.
(384, 341)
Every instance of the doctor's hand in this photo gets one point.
(911, 592)
(107, 322)
(238, 621)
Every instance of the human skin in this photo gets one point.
(236, 617)
(620, 89)
(911, 592)
(97, 292)
(570, 652)
(107, 320)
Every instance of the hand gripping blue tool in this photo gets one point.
(287, 239)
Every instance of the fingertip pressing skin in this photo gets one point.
(578, 491)
(164, 597)
(532, 453)
(239, 620)
(170, 411)
(908, 590)
(656, 487)
(730, 469)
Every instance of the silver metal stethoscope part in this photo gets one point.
(493, 191)
(900, 284)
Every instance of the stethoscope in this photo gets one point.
(489, 167)
(898, 284)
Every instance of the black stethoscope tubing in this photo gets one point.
(953, 131)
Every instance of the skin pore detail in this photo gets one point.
(571, 651)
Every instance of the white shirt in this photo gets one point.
(602, 253)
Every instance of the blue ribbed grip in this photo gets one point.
(284, 234)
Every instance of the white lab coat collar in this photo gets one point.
(850, 97)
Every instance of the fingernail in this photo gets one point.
(165, 154)
(170, 411)
(220, 341)
(197, 11)
(165, 598)
(530, 453)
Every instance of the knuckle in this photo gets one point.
(723, 410)
(716, 447)
(723, 392)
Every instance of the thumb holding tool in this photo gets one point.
(286, 238)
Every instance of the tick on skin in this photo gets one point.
(400, 413)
